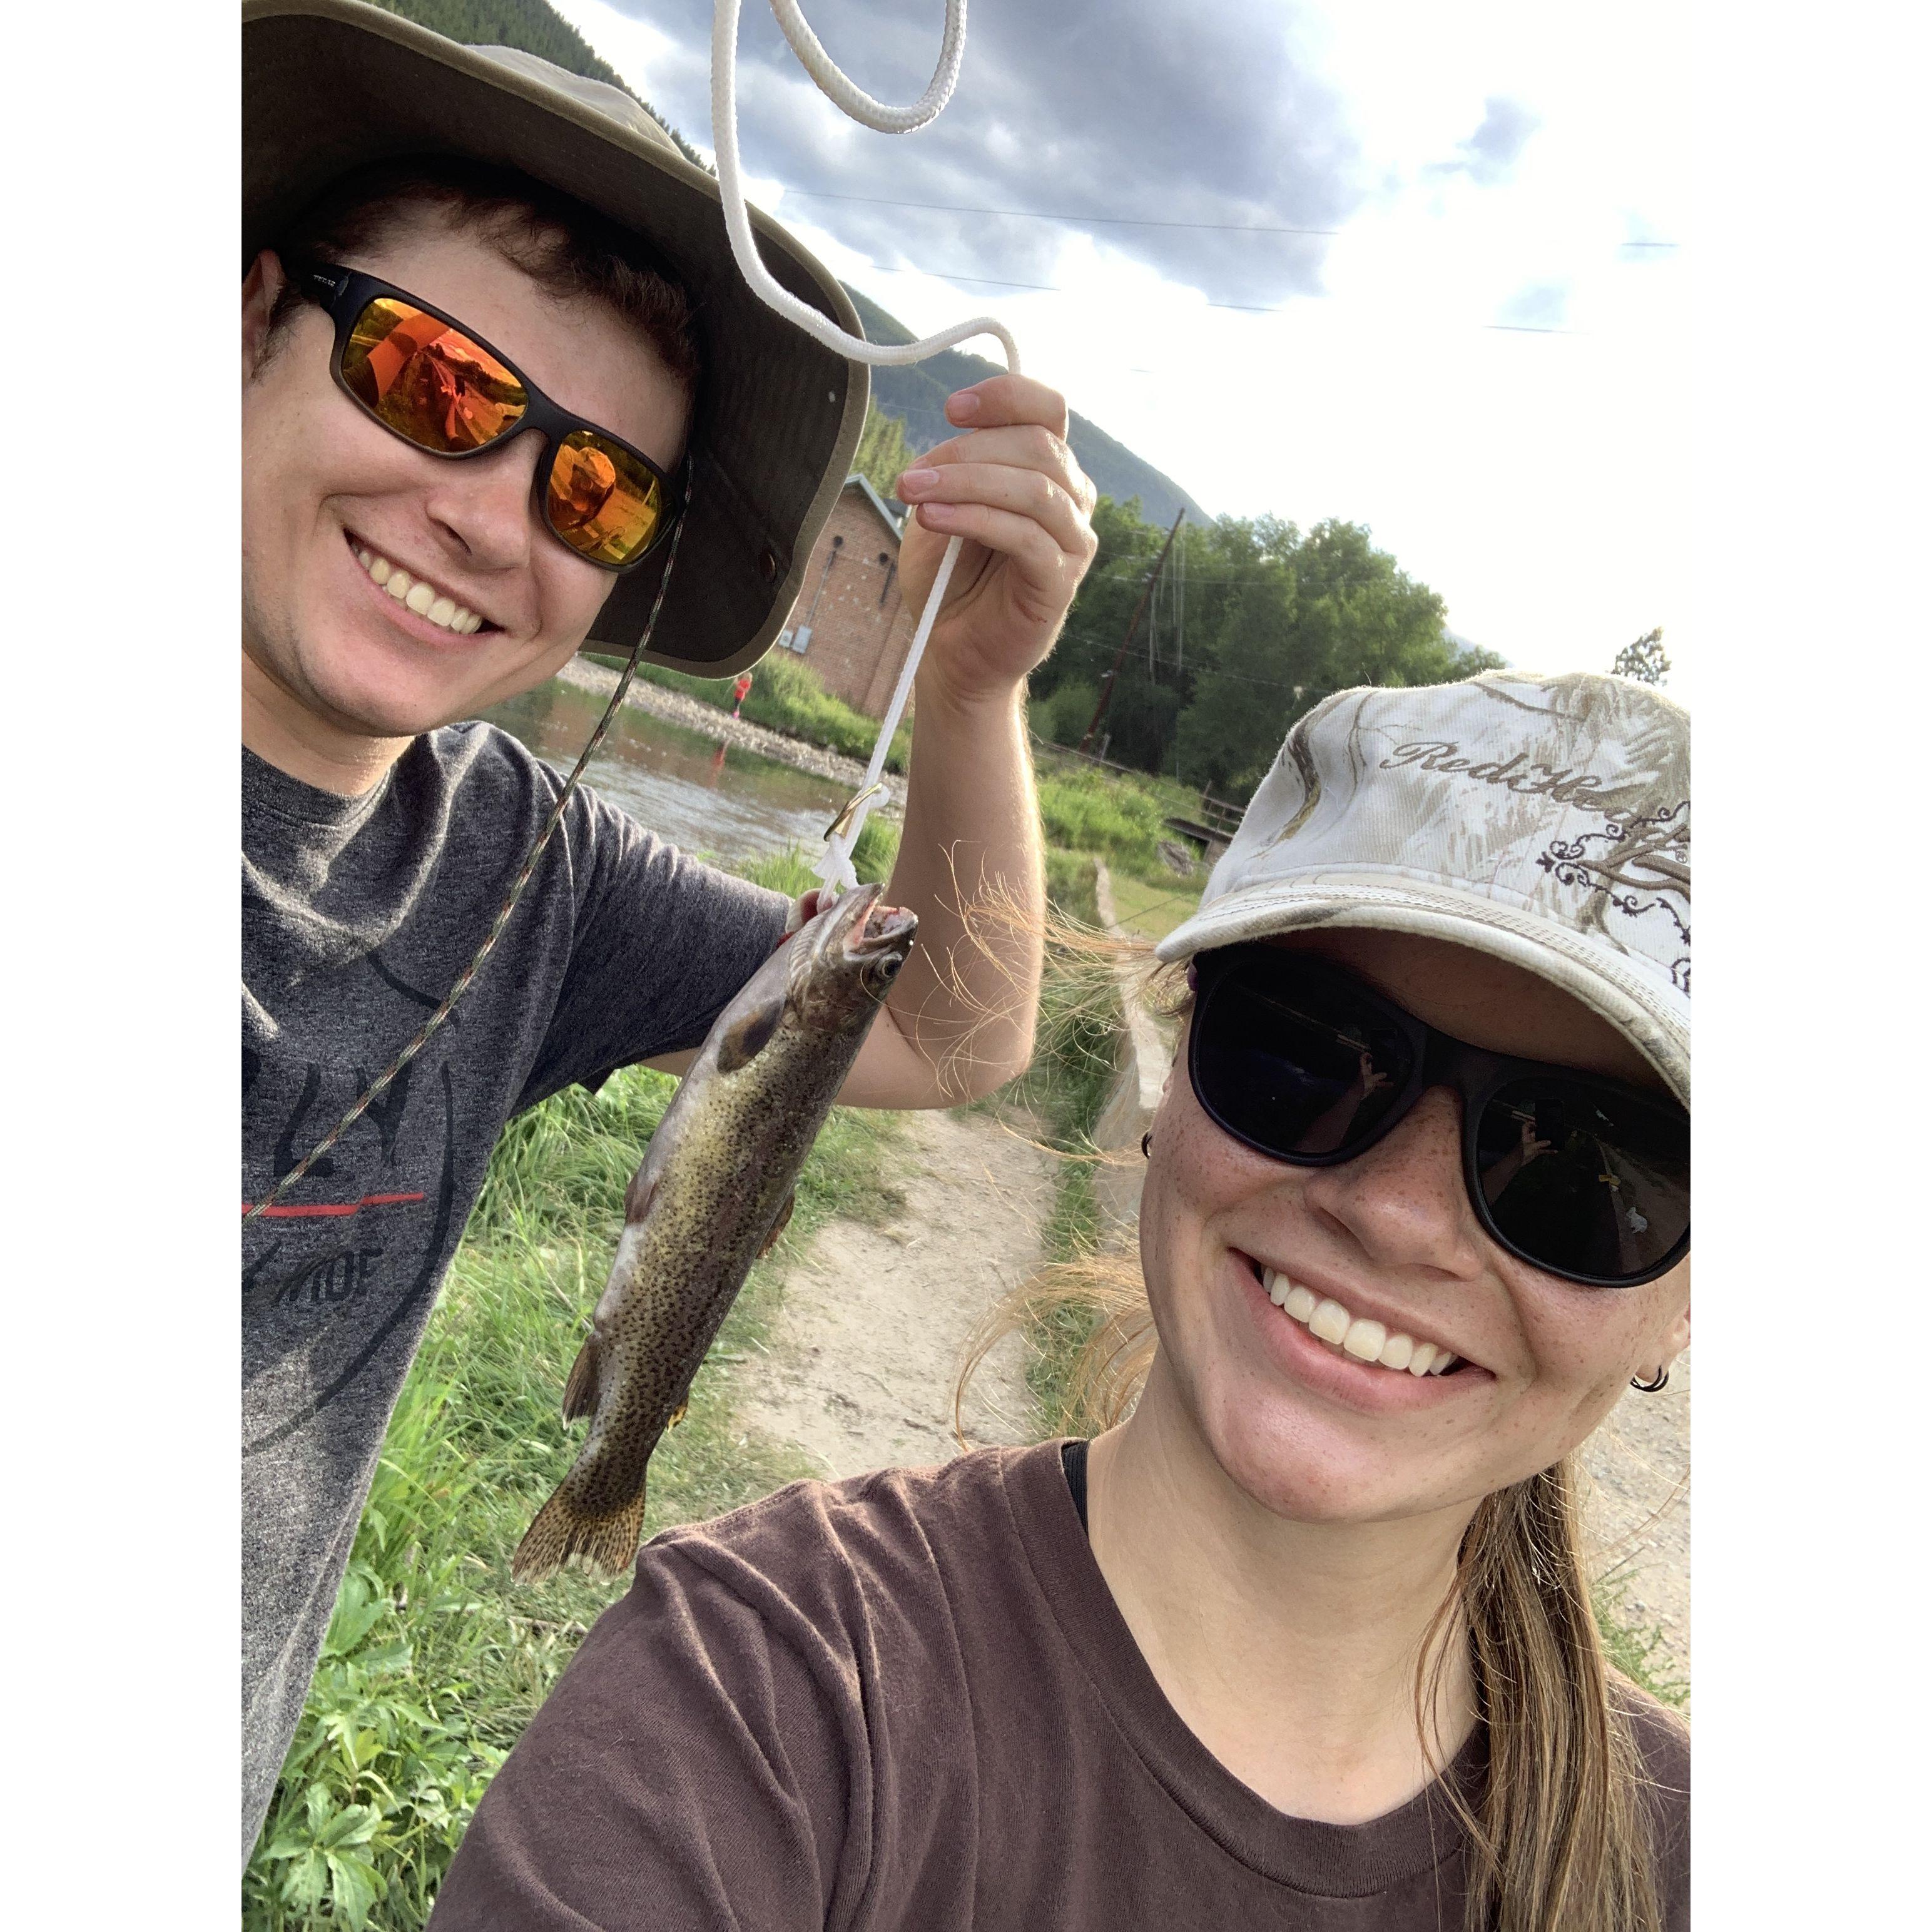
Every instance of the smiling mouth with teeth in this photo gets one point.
(425, 599)
(1366, 1341)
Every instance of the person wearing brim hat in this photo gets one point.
(446, 248)
(1303, 1637)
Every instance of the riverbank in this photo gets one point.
(693, 715)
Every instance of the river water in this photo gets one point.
(717, 799)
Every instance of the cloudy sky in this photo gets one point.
(1398, 262)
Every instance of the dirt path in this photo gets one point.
(869, 1338)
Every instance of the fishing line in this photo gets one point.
(835, 864)
(381, 1083)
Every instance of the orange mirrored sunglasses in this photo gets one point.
(434, 383)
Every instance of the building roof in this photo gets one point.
(878, 502)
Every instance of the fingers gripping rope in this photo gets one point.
(835, 866)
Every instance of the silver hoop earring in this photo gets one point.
(1650, 1387)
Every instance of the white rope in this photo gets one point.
(834, 867)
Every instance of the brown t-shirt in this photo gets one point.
(906, 1703)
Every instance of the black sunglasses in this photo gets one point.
(1583, 1178)
(440, 386)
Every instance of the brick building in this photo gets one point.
(849, 623)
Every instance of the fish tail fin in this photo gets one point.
(562, 1531)
(580, 1393)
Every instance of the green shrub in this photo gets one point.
(1089, 810)
(1063, 715)
(876, 850)
(788, 870)
(1075, 1045)
(1072, 885)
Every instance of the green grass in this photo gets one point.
(1084, 808)
(434, 1661)
(790, 871)
(1636, 1648)
(786, 695)
(1153, 910)
(1062, 1095)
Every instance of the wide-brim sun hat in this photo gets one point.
(330, 85)
(1543, 821)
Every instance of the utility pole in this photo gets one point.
(1133, 624)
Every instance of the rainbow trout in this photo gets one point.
(714, 1193)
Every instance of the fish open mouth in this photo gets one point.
(885, 930)
(865, 930)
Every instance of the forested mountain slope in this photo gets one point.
(917, 397)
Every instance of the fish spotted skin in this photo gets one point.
(712, 1194)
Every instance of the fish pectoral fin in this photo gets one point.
(580, 1393)
(678, 1415)
(780, 1225)
(745, 1039)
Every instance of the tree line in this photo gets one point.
(1252, 623)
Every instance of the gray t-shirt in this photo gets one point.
(357, 915)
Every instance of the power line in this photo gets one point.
(1120, 656)
(1035, 214)
(1093, 649)
(1100, 220)
(1244, 308)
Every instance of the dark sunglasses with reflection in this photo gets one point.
(441, 388)
(1584, 1177)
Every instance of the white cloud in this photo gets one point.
(1532, 479)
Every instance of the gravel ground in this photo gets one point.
(1639, 1461)
(696, 716)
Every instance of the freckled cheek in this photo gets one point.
(1176, 1249)
(1195, 1184)
(1207, 1167)
(1580, 1342)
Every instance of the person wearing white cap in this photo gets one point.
(506, 394)
(1304, 1637)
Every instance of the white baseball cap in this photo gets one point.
(1546, 821)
